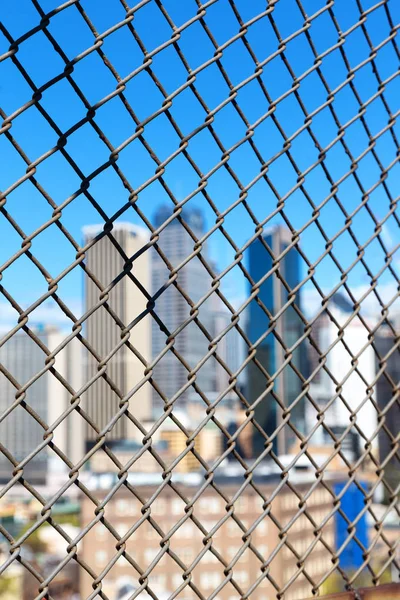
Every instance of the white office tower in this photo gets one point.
(20, 432)
(174, 311)
(230, 347)
(103, 332)
(353, 378)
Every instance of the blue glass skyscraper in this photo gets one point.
(273, 296)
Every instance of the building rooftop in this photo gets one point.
(192, 215)
(283, 231)
(90, 231)
(341, 302)
(226, 475)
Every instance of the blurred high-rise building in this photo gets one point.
(126, 299)
(20, 433)
(350, 366)
(20, 430)
(68, 435)
(271, 298)
(230, 347)
(173, 309)
(387, 389)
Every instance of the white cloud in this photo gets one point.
(47, 313)
(387, 236)
(311, 299)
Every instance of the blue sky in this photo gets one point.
(29, 209)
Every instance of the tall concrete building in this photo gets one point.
(270, 352)
(20, 432)
(230, 347)
(173, 309)
(387, 387)
(68, 435)
(353, 382)
(127, 301)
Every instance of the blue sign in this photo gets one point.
(352, 504)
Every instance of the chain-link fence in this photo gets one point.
(200, 394)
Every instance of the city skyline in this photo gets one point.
(105, 263)
(199, 299)
(48, 313)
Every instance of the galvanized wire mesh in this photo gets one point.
(318, 129)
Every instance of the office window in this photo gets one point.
(186, 555)
(157, 580)
(122, 528)
(151, 533)
(233, 529)
(121, 507)
(186, 530)
(242, 504)
(159, 507)
(101, 558)
(263, 550)
(202, 504)
(214, 505)
(262, 527)
(231, 552)
(210, 580)
(124, 507)
(289, 501)
(258, 503)
(150, 554)
(177, 580)
(177, 506)
(208, 525)
(101, 532)
(242, 577)
(209, 557)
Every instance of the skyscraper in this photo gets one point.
(230, 347)
(20, 432)
(387, 389)
(127, 301)
(340, 364)
(173, 309)
(68, 436)
(273, 296)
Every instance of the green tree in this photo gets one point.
(34, 542)
(7, 586)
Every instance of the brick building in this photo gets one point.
(144, 547)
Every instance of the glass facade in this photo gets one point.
(272, 296)
(171, 307)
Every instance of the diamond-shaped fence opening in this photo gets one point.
(199, 313)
